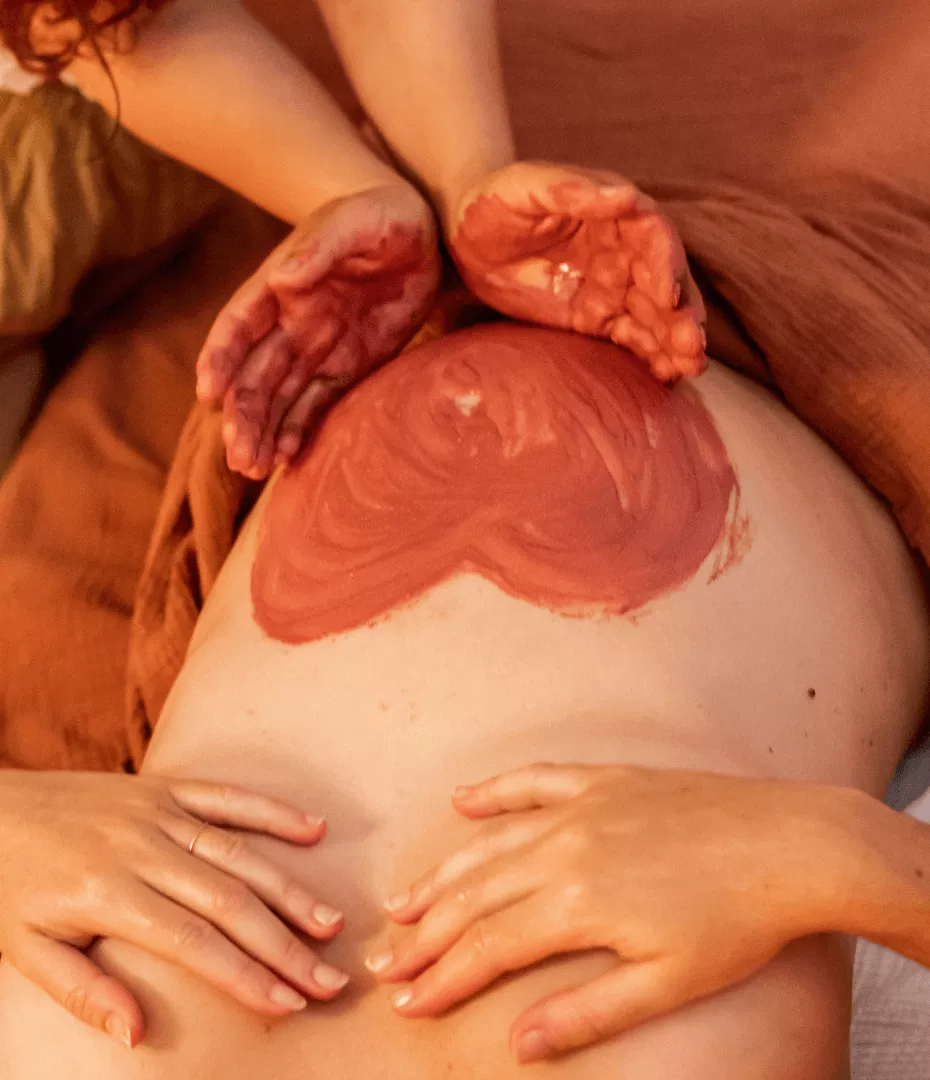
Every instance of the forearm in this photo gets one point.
(210, 86)
(428, 73)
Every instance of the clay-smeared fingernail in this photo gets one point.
(463, 791)
(329, 978)
(282, 994)
(119, 1029)
(531, 1046)
(378, 962)
(314, 822)
(402, 998)
(398, 902)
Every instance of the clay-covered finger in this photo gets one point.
(295, 426)
(247, 405)
(245, 321)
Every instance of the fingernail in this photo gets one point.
(315, 822)
(462, 792)
(398, 901)
(329, 978)
(531, 1046)
(402, 998)
(378, 962)
(119, 1029)
(325, 915)
(282, 994)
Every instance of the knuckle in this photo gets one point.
(294, 952)
(584, 1022)
(464, 899)
(193, 934)
(293, 895)
(81, 1002)
(576, 896)
(229, 846)
(575, 838)
(226, 794)
(231, 899)
(482, 944)
(77, 1002)
(251, 975)
(94, 891)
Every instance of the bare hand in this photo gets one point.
(694, 881)
(84, 856)
(586, 251)
(345, 292)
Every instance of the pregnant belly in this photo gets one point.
(194, 1032)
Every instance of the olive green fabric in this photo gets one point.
(76, 193)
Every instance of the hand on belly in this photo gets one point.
(638, 861)
(151, 862)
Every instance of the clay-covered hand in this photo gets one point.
(582, 250)
(694, 881)
(345, 292)
(84, 856)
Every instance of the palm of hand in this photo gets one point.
(585, 252)
(343, 294)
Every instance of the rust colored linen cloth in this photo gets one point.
(787, 141)
(78, 504)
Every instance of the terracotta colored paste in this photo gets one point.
(552, 464)
(572, 263)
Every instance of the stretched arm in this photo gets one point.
(428, 73)
(695, 880)
(210, 86)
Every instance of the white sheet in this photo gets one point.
(890, 1037)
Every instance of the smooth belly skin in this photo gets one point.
(808, 658)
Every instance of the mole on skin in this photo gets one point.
(552, 464)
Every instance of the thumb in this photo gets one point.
(75, 982)
(598, 1010)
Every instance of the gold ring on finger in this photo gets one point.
(197, 835)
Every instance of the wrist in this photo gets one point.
(454, 184)
(874, 867)
(892, 887)
(828, 875)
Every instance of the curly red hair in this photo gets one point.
(16, 22)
